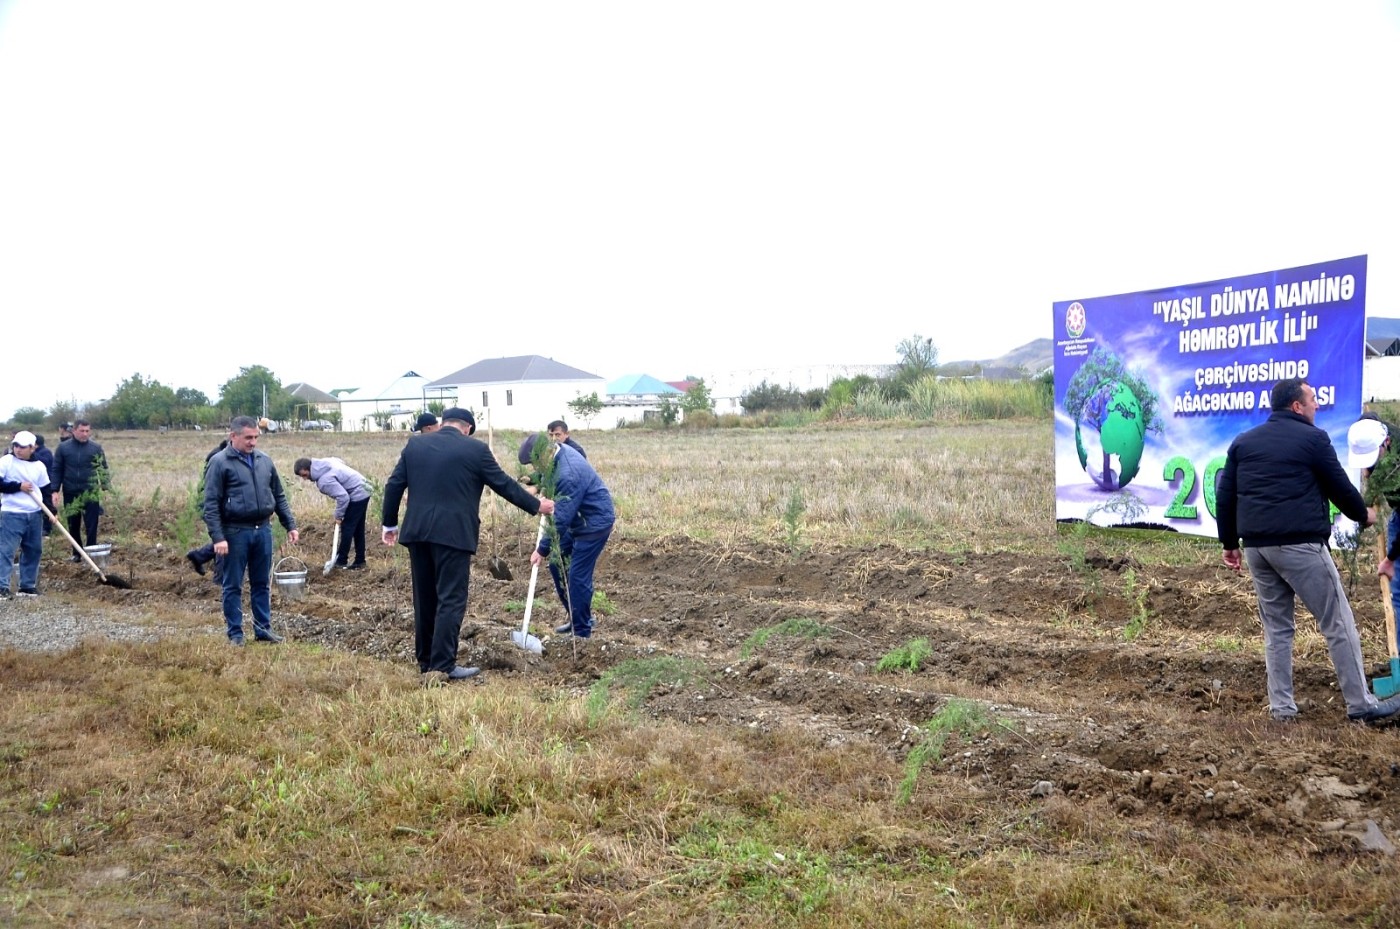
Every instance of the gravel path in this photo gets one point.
(54, 624)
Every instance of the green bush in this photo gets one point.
(699, 419)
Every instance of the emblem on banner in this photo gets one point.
(1075, 321)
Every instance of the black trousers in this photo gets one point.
(441, 577)
(87, 517)
(352, 528)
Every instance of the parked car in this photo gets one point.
(317, 425)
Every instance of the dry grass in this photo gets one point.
(959, 486)
(190, 784)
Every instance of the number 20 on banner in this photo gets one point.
(1179, 508)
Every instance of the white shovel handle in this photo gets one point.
(335, 547)
(534, 573)
(38, 498)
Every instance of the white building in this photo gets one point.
(522, 392)
(395, 406)
(631, 398)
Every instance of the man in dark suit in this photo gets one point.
(445, 472)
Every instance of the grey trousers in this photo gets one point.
(1307, 570)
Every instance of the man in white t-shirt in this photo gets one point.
(21, 519)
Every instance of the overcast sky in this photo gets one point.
(344, 191)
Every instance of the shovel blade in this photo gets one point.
(499, 569)
(1384, 687)
(528, 642)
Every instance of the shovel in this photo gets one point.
(497, 565)
(112, 581)
(1387, 686)
(329, 566)
(522, 638)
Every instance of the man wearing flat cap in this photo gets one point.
(583, 520)
(426, 424)
(444, 473)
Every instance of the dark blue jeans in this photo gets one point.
(582, 554)
(250, 551)
(25, 532)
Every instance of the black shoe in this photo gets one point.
(28, 592)
(1383, 712)
(460, 673)
(195, 563)
(236, 640)
(269, 637)
(565, 629)
(76, 559)
(357, 566)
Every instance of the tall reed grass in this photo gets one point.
(957, 401)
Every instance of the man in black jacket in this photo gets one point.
(80, 472)
(241, 492)
(1273, 493)
(42, 454)
(559, 432)
(444, 473)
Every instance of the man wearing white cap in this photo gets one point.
(21, 522)
(1369, 451)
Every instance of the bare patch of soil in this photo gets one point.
(1170, 726)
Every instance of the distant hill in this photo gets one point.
(1033, 357)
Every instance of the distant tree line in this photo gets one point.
(918, 357)
(912, 388)
(145, 403)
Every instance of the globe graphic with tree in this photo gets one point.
(1111, 437)
(1113, 411)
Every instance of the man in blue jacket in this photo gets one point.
(1273, 493)
(241, 493)
(583, 518)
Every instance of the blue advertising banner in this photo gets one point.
(1152, 387)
